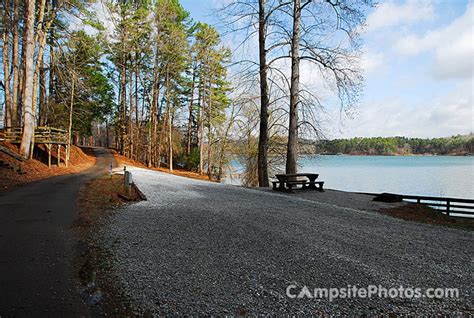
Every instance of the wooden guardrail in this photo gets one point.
(43, 135)
(446, 205)
(458, 206)
(49, 136)
(10, 134)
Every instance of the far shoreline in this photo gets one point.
(392, 155)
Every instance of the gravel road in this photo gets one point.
(197, 247)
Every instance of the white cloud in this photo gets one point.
(390, 14)
(442, 116)
(453, 47)
(372, 61)
(456, 59)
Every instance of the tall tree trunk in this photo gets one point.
(16, 64)
(42, 94)
(41, 40)
(190, 118)
(156, 93)
(201, 124)
(137, 121)
(168, 120)
(27, 92)
(292, 150)
(130, 119)
(6, 65)
(170, 136)
(21, 77)
(160, 135)
(49, 99)
(123, 103)
(69, 131)
(156, 140)
(209, 131)
(150, 135)
(262, 161)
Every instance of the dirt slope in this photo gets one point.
(37, 169)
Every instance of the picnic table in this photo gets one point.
(286, 182)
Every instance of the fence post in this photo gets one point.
(49, 146)
(128, 182)
(447, 207)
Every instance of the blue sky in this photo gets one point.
(418, 61)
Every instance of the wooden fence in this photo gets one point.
(43, 135)
(49, 136)
(448, 206)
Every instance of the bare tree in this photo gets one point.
(264, 97)
(258, 14)
(336, 60)
(292, 148)
(15, 62)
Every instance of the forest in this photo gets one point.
(456, 145)
(161, 88)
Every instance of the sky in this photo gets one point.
(418, 63)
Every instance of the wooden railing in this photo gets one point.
(43, 135)
(12, 135)
(448, 206)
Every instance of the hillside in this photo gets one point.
(15, 173)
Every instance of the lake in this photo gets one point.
(445, 176)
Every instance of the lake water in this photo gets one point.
(445, 176)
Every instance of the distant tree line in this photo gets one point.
(398, 146)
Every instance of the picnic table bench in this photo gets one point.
(286, 182)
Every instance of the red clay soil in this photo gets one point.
(37, 169)
(122, 160)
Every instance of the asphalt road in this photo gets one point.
(37, 246)
(197, 247)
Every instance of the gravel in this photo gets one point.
(343, 199)
(197, 247)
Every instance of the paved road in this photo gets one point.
(200, 247)
(37, 246)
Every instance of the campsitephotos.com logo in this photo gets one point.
(371, 291)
